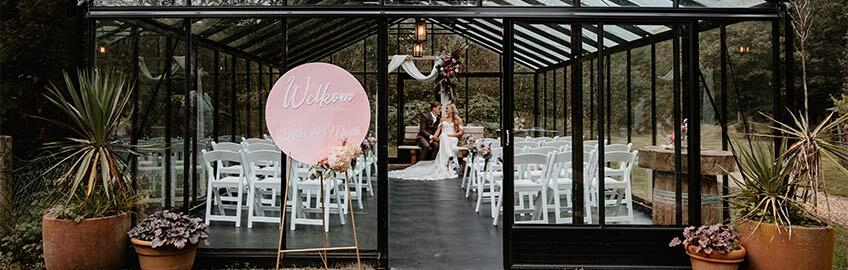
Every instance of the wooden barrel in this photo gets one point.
(664, 203)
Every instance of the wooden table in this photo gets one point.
(661, 160)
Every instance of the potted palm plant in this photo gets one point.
(86, 226)
(167, 240)
(779, 192)
(711, 247)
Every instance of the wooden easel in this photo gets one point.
(322, 251)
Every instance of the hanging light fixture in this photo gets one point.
(420, 30)
(743, 50)
(417, 49)
(101, 49)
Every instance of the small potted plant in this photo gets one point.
(168, 240)
(711, 247)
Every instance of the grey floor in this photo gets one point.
(433, 226)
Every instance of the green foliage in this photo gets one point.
(775, 188)
(97, 181)
(765, 188)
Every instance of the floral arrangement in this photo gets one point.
(170, 229)
(339, 159)
(684, 127)
(449, 67)
(708, 239)
(519, 122)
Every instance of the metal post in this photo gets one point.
(789, 57)
(554, 113)
(382, 139)
(233, 96)
(168, 125)
(693, 155)
(135, 105)
(725, 139)
(777, 106)
(601, 144)
(592, 99)
(507, 123)
(216, 96)
(565, 76)
(187, 154)
(545, 102)
(261, 89)
(678, 146)
(248, 104)
(535, 101)
(609, 99)
(284, 64)
(629, 101)
(577, 124)
(400, 111)
(653, 94)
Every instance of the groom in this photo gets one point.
(427, 124)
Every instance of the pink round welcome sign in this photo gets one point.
(313, 107)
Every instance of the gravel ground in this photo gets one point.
(834, 209)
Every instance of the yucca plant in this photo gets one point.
(97, 181)
(783, 187)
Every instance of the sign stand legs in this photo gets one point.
(322, 251)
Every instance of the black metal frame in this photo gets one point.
(524, 246)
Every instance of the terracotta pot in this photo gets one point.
(96, 243)
(163, 258)
(807, 248)
(716, 260)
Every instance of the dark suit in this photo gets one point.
(426, 127)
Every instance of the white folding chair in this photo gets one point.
(526, 144)
(561, 184)
(260, 183)
(491, 175)
(618, 189)
(619, 169)
(227, 181)
(524, 182)
(303, 190)
(255, 140)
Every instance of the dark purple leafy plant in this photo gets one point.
(708, 239)
(170, 229)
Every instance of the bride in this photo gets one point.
(448, 134)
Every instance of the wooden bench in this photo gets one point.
(411, 133)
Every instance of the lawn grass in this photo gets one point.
(840, 258)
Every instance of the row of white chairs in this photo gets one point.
(260, 182)
(547, 166)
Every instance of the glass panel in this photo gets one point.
(305, 197)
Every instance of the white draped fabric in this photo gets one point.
(408, 65)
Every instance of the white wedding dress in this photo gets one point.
(437, 169)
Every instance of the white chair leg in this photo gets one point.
(209, 201)
(497, 210)
(479, 196)
(295, 206)
(342, 204)
(326, 205)
(239, 204)
(251, 194)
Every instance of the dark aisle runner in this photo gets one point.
(433, 226)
